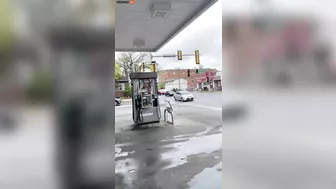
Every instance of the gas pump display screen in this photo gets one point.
(145, 85)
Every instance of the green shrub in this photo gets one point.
(128, 91)
(161, 85)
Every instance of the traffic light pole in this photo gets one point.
(170, 56)
(199, 67)
(179, 55)
(179, 78)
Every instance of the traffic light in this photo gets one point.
(196, 71)
(179, 55)
(143, 67)
(188, 73)
(153, 67)
(197, 57)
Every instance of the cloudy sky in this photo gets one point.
(204, 34)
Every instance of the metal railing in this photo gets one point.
(168, 111)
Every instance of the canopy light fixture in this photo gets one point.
(138, 43)
(161, 10)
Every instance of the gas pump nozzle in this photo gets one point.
(138, 106)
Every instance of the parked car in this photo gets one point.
(176, 90)
(117, 101)
(169, 93)
(184, 96)
(161, 92)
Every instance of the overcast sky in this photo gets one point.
(204, 34)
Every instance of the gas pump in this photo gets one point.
(145, 100)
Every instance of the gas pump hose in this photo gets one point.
(159, 110)
(139, 117)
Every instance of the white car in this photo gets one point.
(183, 96)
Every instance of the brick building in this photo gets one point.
(171, 74)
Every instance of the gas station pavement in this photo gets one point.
(187, 154)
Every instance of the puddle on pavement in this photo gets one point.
(125, 167)
(208, 178)
(119, 153)
(184, 137)
(193, 146)
(206, 131)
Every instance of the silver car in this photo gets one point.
(183, 96)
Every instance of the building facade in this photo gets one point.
(218, 81)
(173, 74)
(214, 81)
(176, 84)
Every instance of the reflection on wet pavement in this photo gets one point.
(208, 178)
(169, 162)
(192, 146)
(164, 156)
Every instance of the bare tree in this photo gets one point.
(132, 61)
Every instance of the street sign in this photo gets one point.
(179, 55)
(200, 79)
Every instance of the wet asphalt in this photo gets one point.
(187, 154)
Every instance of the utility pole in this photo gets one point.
(179, 78)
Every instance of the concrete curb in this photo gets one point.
(126, 100)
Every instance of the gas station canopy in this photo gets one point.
(147, 25)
